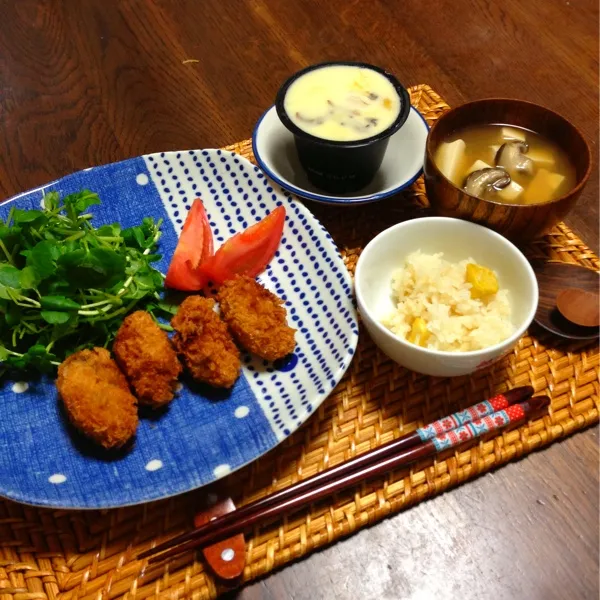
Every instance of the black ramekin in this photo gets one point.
(342, 167)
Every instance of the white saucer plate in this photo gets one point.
(274, 149)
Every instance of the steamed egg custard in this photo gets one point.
(342, 103)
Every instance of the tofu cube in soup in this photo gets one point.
(542, 157)
(477, 166)
(511, 192)
(449, 159)
(512, 133)
(543, 186)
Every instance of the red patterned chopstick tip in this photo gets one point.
(477, 411)
(515, 412)
(487, 424)
(499, 402)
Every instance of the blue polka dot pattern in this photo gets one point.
(199, 433)
(307, 272)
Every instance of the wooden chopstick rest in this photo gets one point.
(227, 558)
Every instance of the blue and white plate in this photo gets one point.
(274, 149)
(198, 439)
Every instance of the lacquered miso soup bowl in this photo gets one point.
(518, 222)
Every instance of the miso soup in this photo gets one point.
(506, 164)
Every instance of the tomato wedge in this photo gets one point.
(195, 245)
(247, 252)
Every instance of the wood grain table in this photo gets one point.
(86, 82)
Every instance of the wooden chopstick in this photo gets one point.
(299, 493)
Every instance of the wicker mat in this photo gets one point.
(69, 554)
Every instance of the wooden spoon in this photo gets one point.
(579, 307)
(554, 277)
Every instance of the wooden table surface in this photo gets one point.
(89, 82)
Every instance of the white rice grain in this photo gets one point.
(436, 290)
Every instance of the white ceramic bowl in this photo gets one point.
(458, 240)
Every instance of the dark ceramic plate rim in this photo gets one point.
(324, 198)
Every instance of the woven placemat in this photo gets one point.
(88, 555)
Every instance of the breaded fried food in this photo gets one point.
(97, 397)
(205, 343)
(146, 356)
(256, 317)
